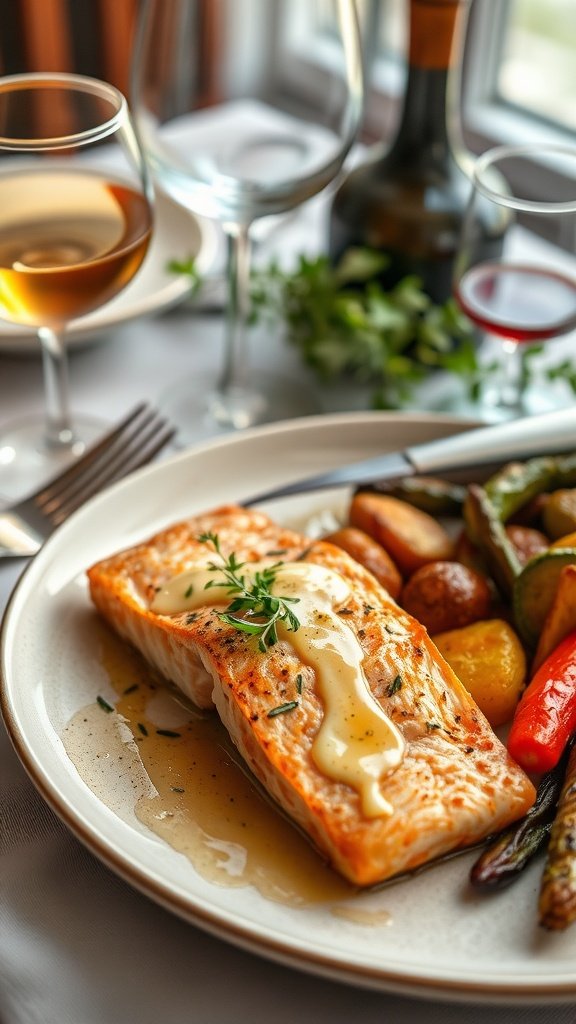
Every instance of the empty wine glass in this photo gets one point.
(527, 294)
(75, 223)
(239, 125)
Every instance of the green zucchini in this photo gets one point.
(534, 590)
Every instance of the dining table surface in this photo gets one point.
(78, 945)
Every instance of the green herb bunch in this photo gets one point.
(254, 609)
(345, 324)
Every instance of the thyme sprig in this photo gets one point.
(254, 609)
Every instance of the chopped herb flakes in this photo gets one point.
(283, 708)
(168, 732)
(142, 728)
(430, 726)
(189, 591)
(104, 704)
(130, 689)
(394, 686)
(177, 789)
(299, 683)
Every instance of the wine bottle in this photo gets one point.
(408, 201)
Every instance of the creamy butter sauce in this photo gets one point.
(357, 743)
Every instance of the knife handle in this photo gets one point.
(545, 434)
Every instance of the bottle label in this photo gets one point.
(433, 25)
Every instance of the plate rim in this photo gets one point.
(189, 907)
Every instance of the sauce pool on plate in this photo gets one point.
(191, 791)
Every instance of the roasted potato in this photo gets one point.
(411, 537)
(559, 513)
(371, 555)
(527, 541)
(446, 595)
(489, 661)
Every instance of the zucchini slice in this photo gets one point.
(534, 590)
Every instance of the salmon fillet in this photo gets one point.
(453, 783)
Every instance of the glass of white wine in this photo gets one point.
(75, 224)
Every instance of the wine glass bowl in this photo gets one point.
(75, 224)
(234, 132)
(527, 294)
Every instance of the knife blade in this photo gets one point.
(480, 449)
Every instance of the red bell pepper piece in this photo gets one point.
(546, 715)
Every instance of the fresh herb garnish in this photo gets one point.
(104, 704)
(299, 683)
(142, 728)
(281, 709)
(130, 689)
(254, 609)
(168, 732)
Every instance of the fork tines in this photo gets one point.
(133, 443)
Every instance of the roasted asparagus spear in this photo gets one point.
(557, 903)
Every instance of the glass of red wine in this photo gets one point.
(526, 294)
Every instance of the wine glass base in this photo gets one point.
(534, 402)
(198, 411)
(28, 460)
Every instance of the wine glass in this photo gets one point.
(75, 223)
(527, 293)
(238, 126)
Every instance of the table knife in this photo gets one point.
(482, 449)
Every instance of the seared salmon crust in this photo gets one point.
(456, 782)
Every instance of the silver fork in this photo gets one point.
(134, 442)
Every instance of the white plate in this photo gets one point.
(443, 941)
(178, 234)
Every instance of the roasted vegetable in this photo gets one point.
(526, 541)
(428, 493)
(446, 595)
(507, 854)
(546, 715)
(516, 484)
(559, 514)
(411, 537)
(534, 590)
(561, 618)
(557, 902)
(487, 509)
(489, 533)
(371, 555)
(489, 660)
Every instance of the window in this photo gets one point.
(520, 77)
(537, 70)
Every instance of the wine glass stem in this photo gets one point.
(238, 281)
(235, 404)
(513, 382)
(58, 427)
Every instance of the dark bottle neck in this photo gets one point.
(435, 31)
(423, 123)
